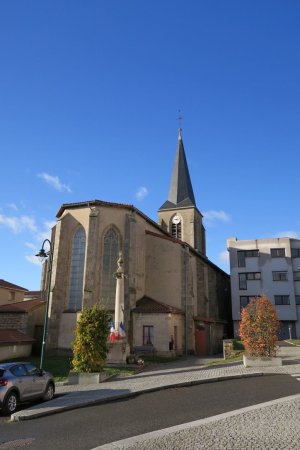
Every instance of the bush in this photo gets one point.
(259, 327)
(90, 345)
(237, 345)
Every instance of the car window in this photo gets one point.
(31, 369)
(18, 370)
(1, 372)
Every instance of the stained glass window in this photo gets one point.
(77, 271)
(111, 247)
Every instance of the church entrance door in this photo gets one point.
(200, 340)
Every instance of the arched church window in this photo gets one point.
(176, 227)
(111, 247)
(77, 270)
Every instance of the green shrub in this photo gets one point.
(238, 345)
(90, 344)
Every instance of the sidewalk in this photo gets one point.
(162, 376)
(273, 425)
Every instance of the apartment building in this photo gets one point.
(268, 267)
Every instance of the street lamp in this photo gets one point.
(42, 255)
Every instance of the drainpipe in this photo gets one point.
(186, 258)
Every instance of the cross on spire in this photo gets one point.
(179, 120)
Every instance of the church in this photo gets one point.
(175, 299)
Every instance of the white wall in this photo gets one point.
(265, 264)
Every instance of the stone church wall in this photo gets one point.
(163, 270)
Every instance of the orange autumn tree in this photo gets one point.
(259, 327)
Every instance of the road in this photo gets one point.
(89, 427)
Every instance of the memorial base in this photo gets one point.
(118, 352)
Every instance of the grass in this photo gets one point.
(294, 341)
(60, 366)
(164, 359)
(159, 359)
(236, 358)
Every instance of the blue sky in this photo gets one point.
(89, 94)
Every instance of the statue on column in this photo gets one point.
(117, 331)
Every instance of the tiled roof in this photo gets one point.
(147, 305)
(22, 307)
(10, 336)
(35, 294)
(7, 285)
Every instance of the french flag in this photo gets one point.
(122, 329)
(112, 333)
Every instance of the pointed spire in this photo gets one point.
(181, 192)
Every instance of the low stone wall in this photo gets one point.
(13, 351)
(87, 378)
(261, 361)
(228, 350)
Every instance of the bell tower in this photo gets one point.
(179, 215)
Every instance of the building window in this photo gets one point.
(297, 299)
(243, 277)
(77, 271)
(282, 299)
(12, 296)
(242, 281)
(243, 254)
(148, 334)
(280, 276)
(277, 252)
(295, 252)
(245, 299)
(111, 248)
(297, 275)
(176, 227)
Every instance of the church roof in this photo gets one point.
(147, 305)
(162, 233)
(181, 193)
(93, 203)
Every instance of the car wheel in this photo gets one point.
(10, 403)
(49, 392)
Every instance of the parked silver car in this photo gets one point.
(22, 381)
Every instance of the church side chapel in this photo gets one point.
(175, 301)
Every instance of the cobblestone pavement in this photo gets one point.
(272, 425)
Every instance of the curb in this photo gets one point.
(17, 417)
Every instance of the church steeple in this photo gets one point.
(181, 192)
(179, 215)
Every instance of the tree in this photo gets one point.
(90, 344)
(259, 327)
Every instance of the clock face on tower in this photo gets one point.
(176, 219)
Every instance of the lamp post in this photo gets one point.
(42, 255)
(290, 330)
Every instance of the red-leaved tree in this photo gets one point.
(259, 327)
